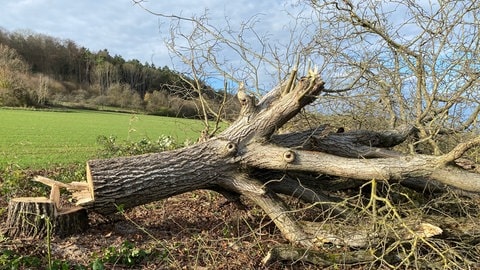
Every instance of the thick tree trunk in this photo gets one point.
(30, 217)
(218, 164)
(131, 181)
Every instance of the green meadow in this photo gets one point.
(38, 139)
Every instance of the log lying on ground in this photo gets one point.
(228, 162)
(319, 258)
(387, 169)
(357, 238)
(131, 181)
(224, 162)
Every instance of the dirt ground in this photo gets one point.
(196, 230)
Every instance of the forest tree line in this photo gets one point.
(39, 70)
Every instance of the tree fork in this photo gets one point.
(273, 206)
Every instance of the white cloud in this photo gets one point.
(126, 29)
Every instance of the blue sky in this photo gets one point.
(125, 28)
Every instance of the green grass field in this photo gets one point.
(37, 139)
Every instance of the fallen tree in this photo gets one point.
(249, 159)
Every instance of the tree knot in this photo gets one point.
(289, 156)
(230, 148)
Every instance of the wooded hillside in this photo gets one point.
(39, 70)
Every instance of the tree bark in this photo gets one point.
(387, 169)
(319, 258)
(127, 182)
(122, 183)
(30, 217)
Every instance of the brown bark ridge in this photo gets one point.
(229, 162)
(130, 181)
(29, 217)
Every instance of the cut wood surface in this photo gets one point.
(38, 217)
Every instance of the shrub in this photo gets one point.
(110, 147)
(13, 91)
(157, 102)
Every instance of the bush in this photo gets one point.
(157, 102)
(13, 91)
(11, 260)
(183, 108)
(120, 95)
(111, 148)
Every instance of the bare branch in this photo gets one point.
(386, 169)
(458, 151)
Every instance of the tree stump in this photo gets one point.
(30, 217)
(38, 217)
(69, 221)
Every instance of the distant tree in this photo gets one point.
(88, 75)
(42, 89)
(105, 74)
(132, 74)
(157, 102)
(121, 95)
(11, 60)
(13, 91)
